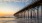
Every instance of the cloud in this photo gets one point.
(13, 0)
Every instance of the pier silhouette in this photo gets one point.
(32, 11)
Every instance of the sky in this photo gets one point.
(11, 7)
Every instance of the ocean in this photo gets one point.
(19, 20)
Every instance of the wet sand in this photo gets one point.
(19, 20)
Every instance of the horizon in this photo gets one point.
(10, 8)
